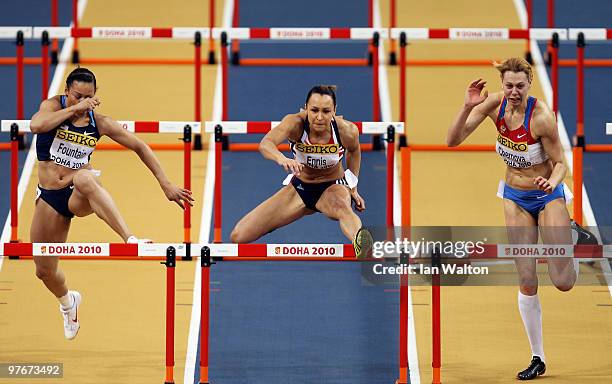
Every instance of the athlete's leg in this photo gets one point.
(554, 223)
(48, 226)
(90, 197)
(335, 203)
(282, 208)
(522, 229)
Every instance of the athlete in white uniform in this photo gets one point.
(533, 192)
(67, 133)
(317, 181)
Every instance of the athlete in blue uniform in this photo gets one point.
(67, 133)
(317, 181)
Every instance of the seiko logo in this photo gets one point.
(77, 138)
(520, 147)
(318, 149)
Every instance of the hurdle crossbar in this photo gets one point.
(302, 33)
(284, 252)
(187, 128)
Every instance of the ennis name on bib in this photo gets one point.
(318, 156)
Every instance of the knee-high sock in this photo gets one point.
(531, 313)
(577, 268)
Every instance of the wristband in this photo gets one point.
(351, 179)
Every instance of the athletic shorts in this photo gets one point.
(533, 201)
(311, 192)
(57, 199)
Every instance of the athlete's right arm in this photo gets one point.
(51, 114)
(277, 135)
(475, 109)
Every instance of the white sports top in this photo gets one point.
(318, 156)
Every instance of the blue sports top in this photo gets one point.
(68, 145)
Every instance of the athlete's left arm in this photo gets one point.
(115, 131)
(349, 135)
(544, 126)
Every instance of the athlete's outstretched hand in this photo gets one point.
(359, 201)
(473, 95)
(291, 165)
(544, 184)
(180, 196)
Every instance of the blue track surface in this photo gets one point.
(315, 13)
(299, 322)
(597, 166)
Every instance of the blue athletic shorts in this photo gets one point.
(533, 201)
(57, 199)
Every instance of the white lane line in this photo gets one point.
(205, 224)
(386, 115)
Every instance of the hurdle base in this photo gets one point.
(54, 58)
(21, 141)
(76, 57)
(393, 58)
(377, 143)
(402, 141)
(197, 142)
(235, 57)
(225, 143)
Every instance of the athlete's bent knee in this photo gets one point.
(84, 181)
(238, 236)
(339, 204)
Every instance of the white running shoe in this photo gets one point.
(135, 240)
(71, 316)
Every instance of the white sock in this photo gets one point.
(577, 268)
(67, 301)
(531, 313)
